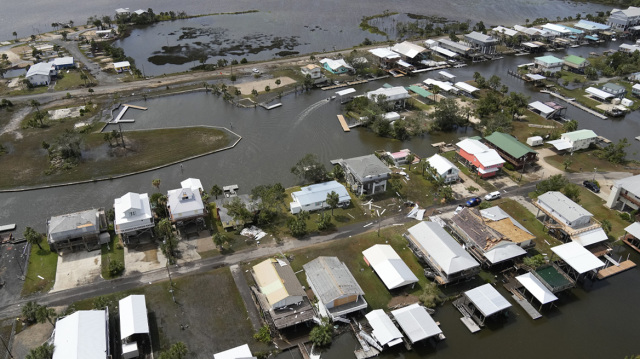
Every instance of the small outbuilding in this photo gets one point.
(535, 141)
(134, 326)
(391, 269)
(122, 66)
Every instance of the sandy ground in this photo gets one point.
(14, 125)
(205, 244)
(189, 249)
(75, 269)
(246, 87)
(460, 189)
(143, 258)
(65, 112)
(29, 338)
(502, 181)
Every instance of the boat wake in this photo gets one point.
(310, 109)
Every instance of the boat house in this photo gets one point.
(436, 248)
(366, 174)
(484, 302)
(389, 267)
(240, 352)
(416, 323)
(335, 287)
(85, 229)
(537, 290)
(512, 150)
(384, 331)
(577, 260)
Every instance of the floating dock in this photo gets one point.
(615, 269)
(117, 119)
(271, 107)
(343, 123)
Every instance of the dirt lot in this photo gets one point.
(29, 338)
(75, 269)
(246, 87)
(143, 258)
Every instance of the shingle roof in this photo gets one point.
(509, 144)
(73, 224)
(368, 165)
(331, 279)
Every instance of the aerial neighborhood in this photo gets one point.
(195, 197)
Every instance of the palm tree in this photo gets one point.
(32, 237)
(45, 314)
(156, 183)
(45, 351)
(35, 104)
(216, 190)
(332, 200)
(84, 78)
(15, 34)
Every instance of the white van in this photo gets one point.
(491, 196)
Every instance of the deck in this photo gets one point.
(613, 270)
(627, 240)
(343, 123)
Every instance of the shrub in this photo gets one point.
(509, 166)
(263, 335)
(116, 268)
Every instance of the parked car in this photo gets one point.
(592, 186)
(473, 202)
(491, 196)
(256, 71)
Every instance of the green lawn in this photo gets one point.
(42, 263)
(112, 252)
(587, 161)
(72, 80)
(595, 205)
(522, 130)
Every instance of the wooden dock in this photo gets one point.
(343, 123)
(576, 104)
(615, 269)
(136, 107)
(303, 351)
(533, 313)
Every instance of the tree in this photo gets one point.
(572, 191)
(238, 210)
(45, 351)
(309, 169)
(91, 91)
(45, 314)
(606, 225)
(337, 173)
(535, 261)
(271, 201)
(322, 335)
(254, 92)
(447, 115)
(32, 237)
(553, 183)
(263, 335)
(446, 193)
(177, 351)
(84, 78)
(216, 191)
(164, 230)
(453, 37)
(498, 122)
(267, 88)
(278, 82)
(324, 221)
(396, 185)
(116, 268)
(430, 296)
(570, 126)
(29, 311)
(297, 224)
(615, 153)
(566, 163)
(410, 158)
(155, 182)
(233, 78)
(220, 239)
(64, 35)
(332, 200)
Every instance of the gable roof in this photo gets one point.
(549, 59)
(578, 257)
(331, 279)
(392, 93)
(576, 60)
(385, 332)
(61, 61)
(133, 316)
(138, 202)
(441, 247)
(416, 323)
(536, 288)
(509, 144)
(81, 335)
(408, 49)
(579, 135)
(630, 184)
(441, 164)
(478, 36)
(73, 224)
(335, 64)
(184, 200)
(365, 166)
(385, 53)
(391, 269)
(318, 193)
(277, 280)
(487, 299)
(564, 206)
(41, 68)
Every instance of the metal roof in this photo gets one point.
(184, 200)
(631, 11)
(478, 36)
(318, 193)
(630, 184)
(590, 25)
(132, 207)
(441, 164)
(276, 280)
(385, 53)
(634, 229)
(579, 135)
(192, 183)
(560, 144)
(391, 269)
(408, 49)
(549, 60)
(505, 30)
(331, 279)
(556, 28)
(576, 60)
(559, 203)
(444, 86)
(41, 68)
(420, 91)
(240, 352)
(487, 299)
(472, 146)
(598, 93)
(385, 332)
(544, 109)
(536, 288)
(443, 51)
(121, 64)
(365, 166)
(576, 256)
(133, 316)
(416, 323)
(489, 158)
(392, 93)
(447, 74)
(590, 237)
(441, 247)
(455, 45)
(335, 64)
(345, 91)
(81, 335)
(61, 61)
(509, 144)
(466, 87)
(504, 251)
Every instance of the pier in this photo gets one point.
(136, 107)
(343, 123)
(576, 104)
(615, 269)
(270, 107)
(533, 313)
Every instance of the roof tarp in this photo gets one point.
(634, 230)
(389, 266)
(603, 95)
(345, 92)
(133, 316)
(536, 288)
(466, 87)
(560, 144)
(416, 323)
(487, 299)
(385, 332)
(576, 256)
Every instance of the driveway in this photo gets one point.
(77, 269)
(12, 267)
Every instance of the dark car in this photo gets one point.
(592, 186)
(473, 202)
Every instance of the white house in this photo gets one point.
(241, 352)
(625, 191)
(314, 197)
(579, 139)
(184, 204)
(336, 66)
(41, 73)
(192, 183)
(409, 50)
(132, 213)
(82, 335)
(397, 95)
(444, 168)
(313, 70)
(391, 269)
(620, 19)
(122, 66)
(63, 62)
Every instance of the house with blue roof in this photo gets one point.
(314, 197)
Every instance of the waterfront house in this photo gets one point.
(616, 90)
(621, 20)
(389, 267)
(567, 220)
(401, 157)
(366, 174)
(134, 326)
(384, 331)
(580, 139)
(227, 221)
(496, 218)
(436, 248)
(445, 86)
(410, 52)
(41, 74)
(457, 47)
(556, 30)
(312, 70)
(185, 205)
(123, 12)
(548, 110)
(591, 27)
(132, 214)
(538, 290)
(314, 197)
(575, 63)
(444, 169)
(625, 192)
(82, 229)
(635, 90)
(336, 289)
(280, 295)
(416, 323)
(82, 335)
(599, 94)
(533, 33)
(336, 67)
(397, 95)
(240, 352)
(632, 238)
(433, 46)
(63, 63)
(504, 31)
(194, 184)
(629, 48)
(484, 302)
(485, 44)
(122, 66)
(511, 150)
(548, 63)
(576, 259)
(487, 245)
(386, 58)
(485, 161)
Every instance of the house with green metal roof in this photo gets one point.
(575, 63)
(511, 150)
(579, 139)
(614, 89)
(548, 63)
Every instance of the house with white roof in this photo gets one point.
(386, 57)
(132, 214)
(621, 20)
(192, 183)
(444, 169)
(122, 66)
(365, 174)
(505, 31)
(576, 140)
(485, 161)
(41, 73)
(532, 32)
(626, 192)
(335, 287)
(481, 43)
(314, 197)
(434, 246)
(84, 229)
(82, 335)
(416, 323)
(384, 331)
(457, 47)
(134, 326)
(184, 204)
(556, 30)
(410, 52)
(336, 66)
(391, 269)
(313, 70)
(484, 302)
(240, 352)
(66, 62)
(397, 95)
